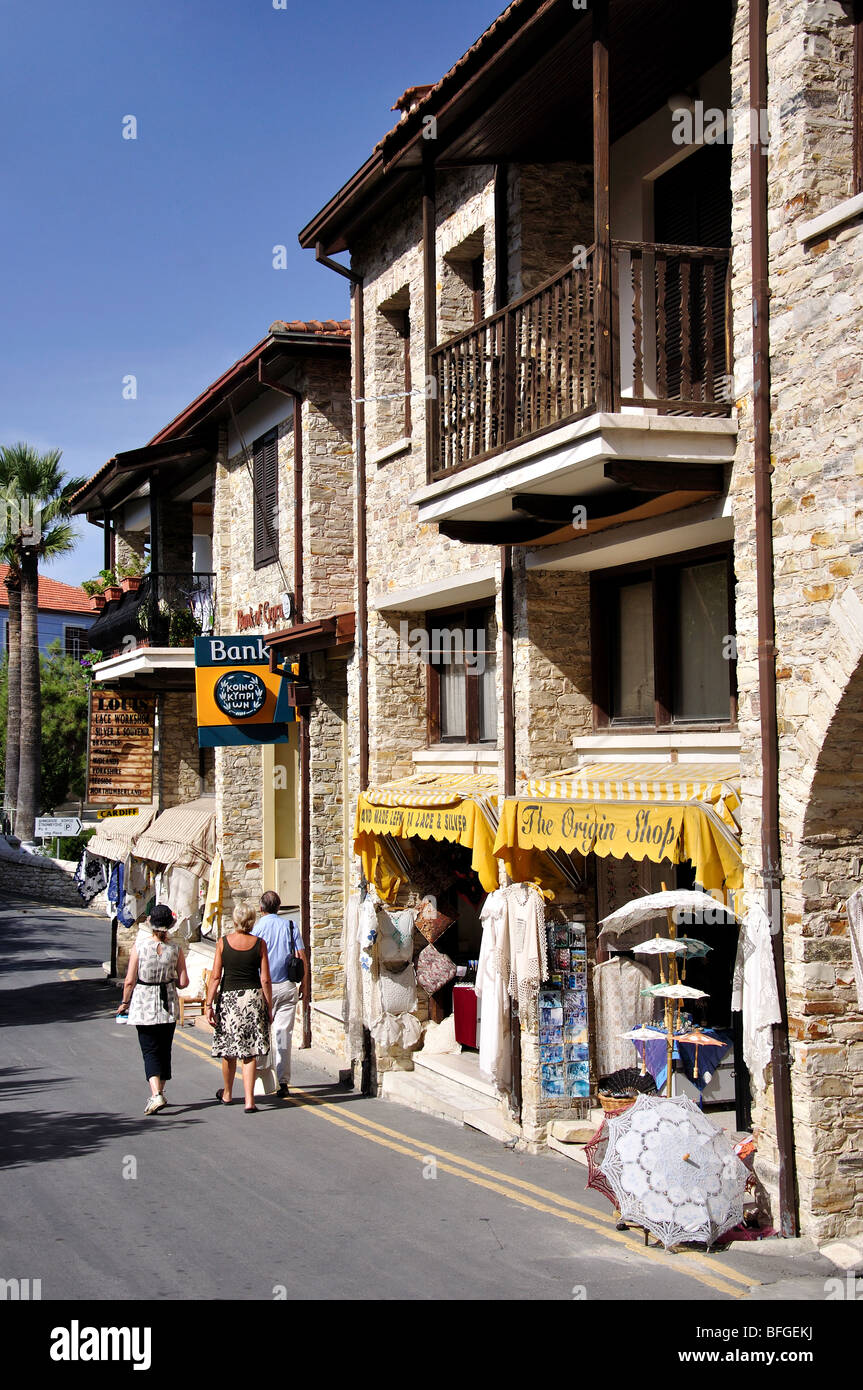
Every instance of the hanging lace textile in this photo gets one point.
(528, 947)
(755, 992)
(492, 978)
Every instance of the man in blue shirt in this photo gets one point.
(283, 940)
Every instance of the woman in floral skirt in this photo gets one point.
(244, 1012)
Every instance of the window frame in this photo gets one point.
(265, 548)
(434, 737)
(84, 647)
(663, 571)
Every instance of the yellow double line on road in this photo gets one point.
(697, 1266)
(67, 975)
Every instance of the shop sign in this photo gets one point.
(616, 829)
(120, 747)
(240, 700)
(117, 811)
(271, 615)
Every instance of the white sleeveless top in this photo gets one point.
(157, 963)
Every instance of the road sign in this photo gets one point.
(46, 826)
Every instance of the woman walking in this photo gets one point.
(156, 968)
(245, 1009)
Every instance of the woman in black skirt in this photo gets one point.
(156, 968)
(245, 1010)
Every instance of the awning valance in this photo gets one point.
(116, 835)
(675, 811)
(184, 836)
(459, 808)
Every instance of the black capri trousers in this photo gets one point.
(156, 1040)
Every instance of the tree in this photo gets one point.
(12, 721)
(35, 484)
(65, 702)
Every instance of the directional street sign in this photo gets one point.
(46, 826)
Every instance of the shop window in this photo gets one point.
(76, 641)
(462, 685)
(663, 646)
(393, 371)
(265, 480)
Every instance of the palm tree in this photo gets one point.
(13, 679)
(41, 530)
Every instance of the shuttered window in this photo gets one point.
(266, 506)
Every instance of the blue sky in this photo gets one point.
(153, 257)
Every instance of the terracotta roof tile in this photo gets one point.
(340, 328)
(53, 595)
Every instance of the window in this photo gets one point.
(76, 641)
(663, 651)
(265, 474)
(462, 686)
(393, 371)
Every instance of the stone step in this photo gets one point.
(459, 1069)
(491, 1120)
(426, 1094)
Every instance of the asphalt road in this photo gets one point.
(336, 1197)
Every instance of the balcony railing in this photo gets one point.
(170, 609)
(533, 365)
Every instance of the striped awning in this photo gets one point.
(116, 835)
(184, 836)
(676, 811)
(458, 807)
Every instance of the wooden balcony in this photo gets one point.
(533, 366)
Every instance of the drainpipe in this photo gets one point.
(771, 857)
(305, 735)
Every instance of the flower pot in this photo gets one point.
(112, 592)
(97, 602)
(131, 583)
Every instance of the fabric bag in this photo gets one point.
(434, 969)
(398, 986)
(395, 936)
(431, 923)
(265, 1077)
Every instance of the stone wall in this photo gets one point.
(47, 880)
(552, 213)
(178, 765)
(239, 825)
(816, 328)
(327, 817)
(551, 658)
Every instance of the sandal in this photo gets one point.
(251, 1110)
(219, 1094)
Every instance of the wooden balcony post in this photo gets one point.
(429, 215)
(602, 209)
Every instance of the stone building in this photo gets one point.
(561, 456)
(242, 507)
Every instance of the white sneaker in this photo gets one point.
(155, 1103)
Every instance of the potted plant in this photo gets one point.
(131, 573)
(112, 589)
(93, 589)
(183, 628)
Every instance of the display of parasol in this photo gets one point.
(642, 1035)
(669, 901)
(675, 991)
(595, 1150)
(673, 1171)
(700, 1039)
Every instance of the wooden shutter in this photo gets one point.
(266, 502)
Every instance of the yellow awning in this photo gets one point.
(675, 811)
(460, 808)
